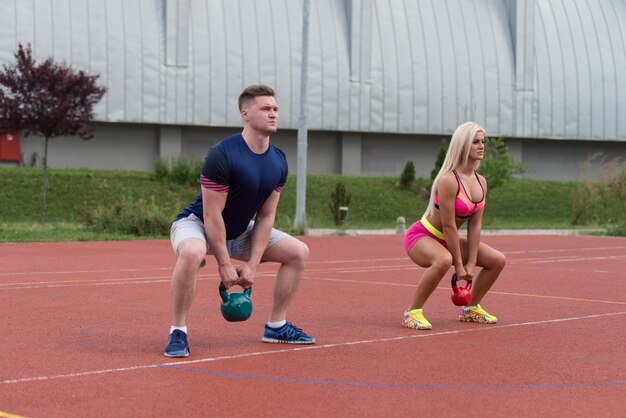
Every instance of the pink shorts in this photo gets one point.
(421, 229)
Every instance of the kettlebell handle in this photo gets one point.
(223, 293)
(226, 296)
(454, 285)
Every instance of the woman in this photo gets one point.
(458, 195)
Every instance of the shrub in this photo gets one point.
(161, 169)
(186, 170)
(583, 197)
(408, 175)
(441, 155)
(497, 166)
(128, 216)
(339, 198)
(602, 201)
(180, 170)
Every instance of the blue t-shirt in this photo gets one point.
(249, 178)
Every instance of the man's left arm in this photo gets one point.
(263, 225)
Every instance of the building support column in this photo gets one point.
(170, 142)
(351, 154)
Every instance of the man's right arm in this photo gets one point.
(213, 203)
(215, 179)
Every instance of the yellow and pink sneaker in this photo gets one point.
(476, 314)
(415, 320)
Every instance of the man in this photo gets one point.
(242, 176)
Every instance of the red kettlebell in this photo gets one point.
(461, 296)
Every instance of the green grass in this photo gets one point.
(531, 205)
(70, 192)
(376, 202)
(57, 231)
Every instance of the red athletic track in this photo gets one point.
(84, 326)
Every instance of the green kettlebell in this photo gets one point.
(236, 306)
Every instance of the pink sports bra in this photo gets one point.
(464, 207)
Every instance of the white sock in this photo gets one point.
(468, 307)
(277, 324)
(183, 328)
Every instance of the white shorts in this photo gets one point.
(193, 227)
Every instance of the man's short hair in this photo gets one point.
(253, 91)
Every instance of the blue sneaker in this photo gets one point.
(177, 344)
(287, 334)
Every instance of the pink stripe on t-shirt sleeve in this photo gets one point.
(212, 185)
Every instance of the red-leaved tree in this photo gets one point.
(46, 99)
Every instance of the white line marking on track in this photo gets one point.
(338, 270)
(557, 250)
(299, 348)
(563, 260)
(9, 273)
(32, 273)
(447, 289)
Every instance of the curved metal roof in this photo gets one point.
(521, 68)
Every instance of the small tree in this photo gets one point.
(46, 99)
(441, 156)
(338, 199)
(497, 166)
(408, 175)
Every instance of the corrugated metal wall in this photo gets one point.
(439, 63)
(521, 68)
(580, 88)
